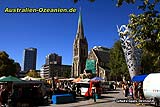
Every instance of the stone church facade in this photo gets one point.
(101, 56)
(80, 50)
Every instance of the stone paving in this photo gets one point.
(107, 100)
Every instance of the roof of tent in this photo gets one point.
(96, 79)
(9, 79)
(139, 78)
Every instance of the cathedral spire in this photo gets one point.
(80, 50)
(80, 31)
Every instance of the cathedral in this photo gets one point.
(80, 50)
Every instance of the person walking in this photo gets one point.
(131, 91)
(1, 89)
(94, 92)
(126, 87)
(123, 88)
(4, 96)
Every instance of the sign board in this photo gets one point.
(91, 65)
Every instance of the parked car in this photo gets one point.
(108, 85)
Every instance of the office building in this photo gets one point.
(29, 59)
(53, 58)
(53, 67)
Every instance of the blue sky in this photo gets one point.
(55, 32)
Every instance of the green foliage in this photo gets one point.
(7, 65)
(67, 74)
(145, 3)
(75, 1)
(33, 73)
(150, 62)
(117, 62)
(146, 30)
(146, 26)
(120, 2)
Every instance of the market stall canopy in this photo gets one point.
(96, 79)
(139, 78)
(28, 78)
(70, 79)
(85, 80)
(9, 79)
(76, 80)
(2, 77)
(66, 79)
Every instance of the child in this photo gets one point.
(131, 91)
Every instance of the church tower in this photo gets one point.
(80, 50)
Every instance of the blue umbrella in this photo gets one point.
(96, 79)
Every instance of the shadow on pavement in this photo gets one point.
(151, 105)
(94, 103)
(84, 99)
(102, 97)
(81, 99)
(111, 92)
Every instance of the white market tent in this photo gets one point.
(2, 77)
(28, 78)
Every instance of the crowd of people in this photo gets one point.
(133, 90)
(63, 87)
(73, 88)
(18, 94)
(60, 87)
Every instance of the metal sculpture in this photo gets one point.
(131, 52)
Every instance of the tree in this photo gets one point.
(67, 74)
(146, 26)
(117, 62)
(149, 62)
(7, 65)
(146, 30)
(18, 67)
(33, 73)
(151, 3)
(120, 2)
(75, 1)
